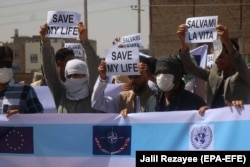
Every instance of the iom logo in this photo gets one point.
(201, 137)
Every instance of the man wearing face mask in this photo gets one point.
(71, 88)
(75, 97)
(15, 97)
(171, 94)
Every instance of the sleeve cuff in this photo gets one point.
(104, 81)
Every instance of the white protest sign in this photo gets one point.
(200, 54)
(62, 24)
(210, 60)
(133, 40)
(76, 47)
(122, 61)
(45, 97)
(201, 29)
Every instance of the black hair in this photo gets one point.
(172, 63)
(150, 61)
(6, 51)
(62, 53)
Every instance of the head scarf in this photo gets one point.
(75, 66)
(171, 64)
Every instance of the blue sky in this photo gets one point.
(107, 19)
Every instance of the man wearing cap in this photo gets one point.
(228, 81)
(171, 94)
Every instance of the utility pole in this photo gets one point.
(138, 8)
(139, 16)
(86, 14)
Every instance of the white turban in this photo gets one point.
(76, 66)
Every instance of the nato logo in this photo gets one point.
(201, 137)
(111, 140)
(18, 140)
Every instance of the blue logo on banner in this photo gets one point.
(111, 140)
(201, 137)
(16, 140)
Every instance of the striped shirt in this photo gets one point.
(20, 96)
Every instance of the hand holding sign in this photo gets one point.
(102, 70)
(181, 31)
(82, 30)
(43, 29)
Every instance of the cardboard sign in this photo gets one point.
(76, 47)
(201, 29)
(122, 61)
(62, 24)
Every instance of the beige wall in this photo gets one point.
(34, 48)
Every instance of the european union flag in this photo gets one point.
(16, 140)
(111, 140)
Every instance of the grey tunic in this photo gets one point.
(57, 87)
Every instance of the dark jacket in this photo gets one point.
(179, 101)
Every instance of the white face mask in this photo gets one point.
(6, 74)
(165, 81)
(77, 88)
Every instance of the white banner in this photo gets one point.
(110, 140)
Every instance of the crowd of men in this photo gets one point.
(159, 86)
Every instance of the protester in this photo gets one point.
(15, 97)
(171, 94)
(131, 101)
(77, 77)
(124, 79)
(229, 78)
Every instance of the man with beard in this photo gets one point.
(130, 101)
(228, 81)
